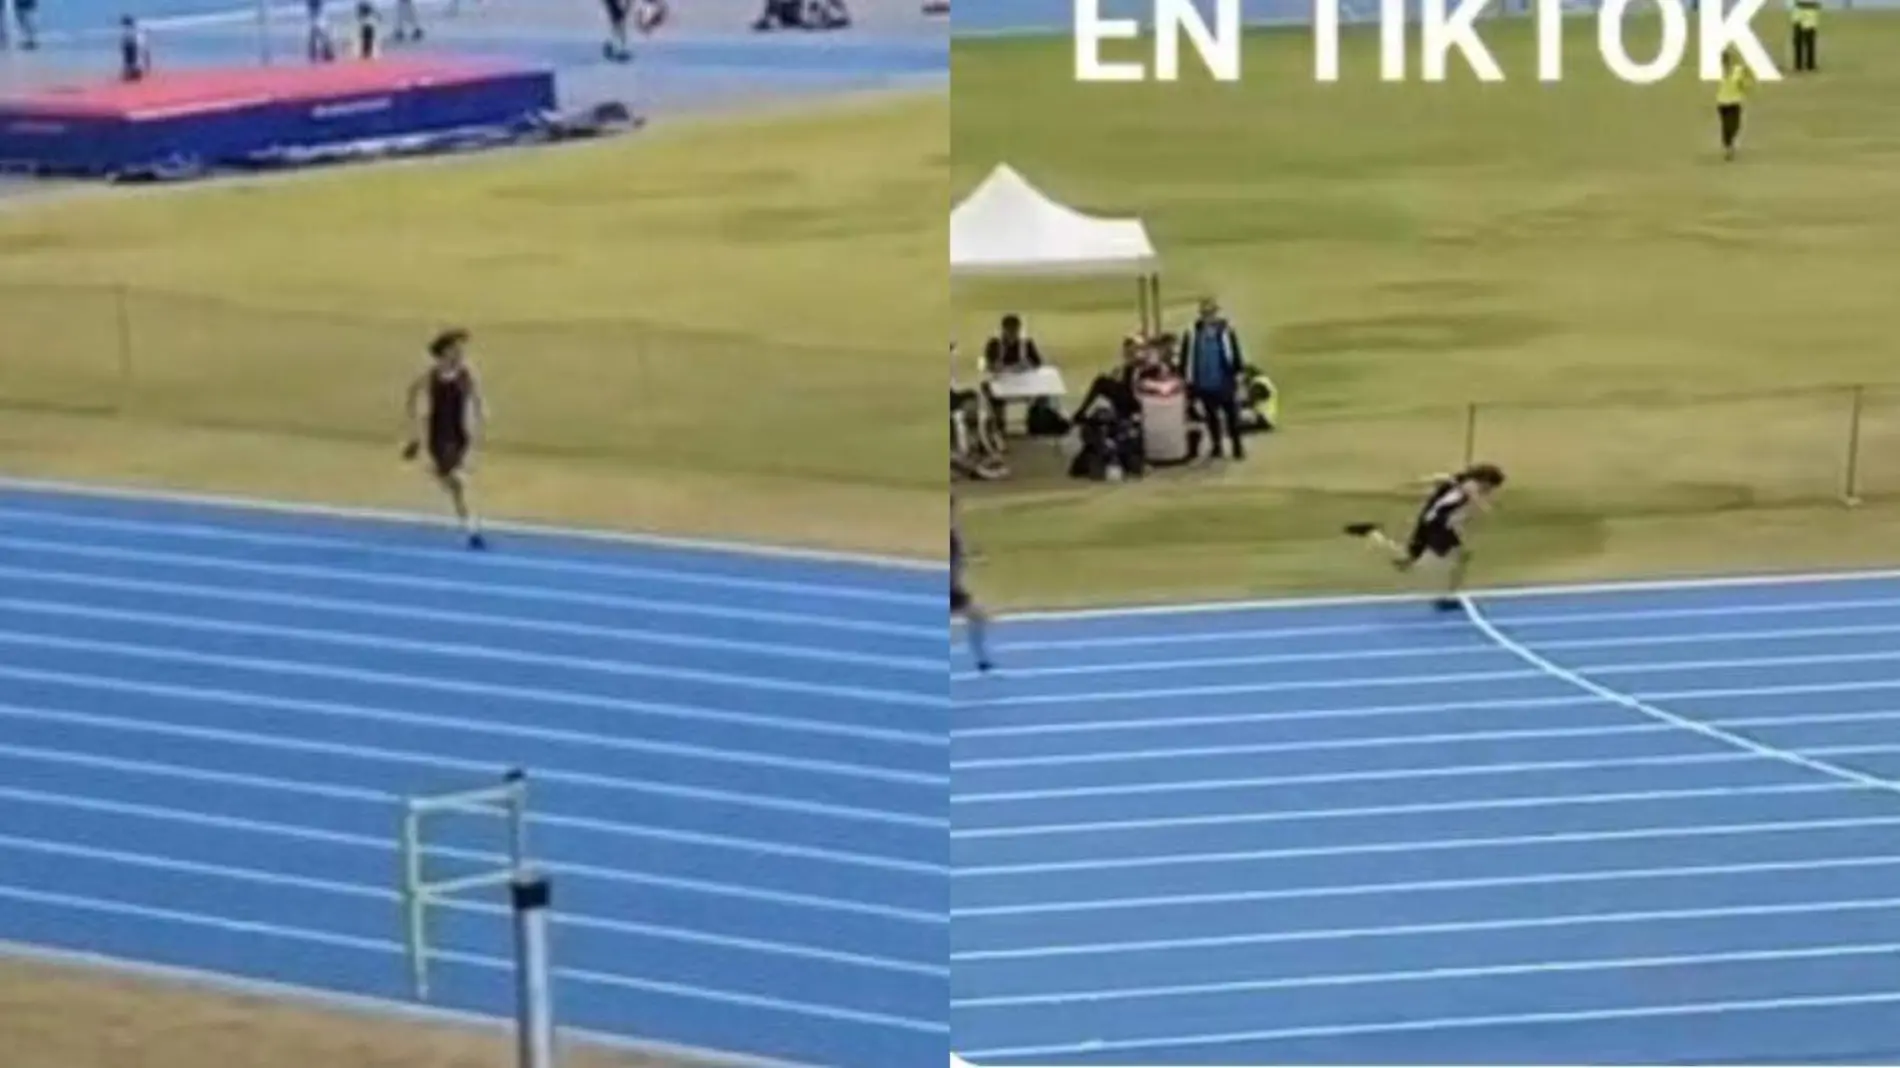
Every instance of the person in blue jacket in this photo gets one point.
(1213, 367)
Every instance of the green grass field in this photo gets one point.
(726, 327)
(1658, 342)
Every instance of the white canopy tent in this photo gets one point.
(1008, 227)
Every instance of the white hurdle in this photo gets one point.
(530, 897)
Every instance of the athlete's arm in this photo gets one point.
(412, 413)
(477, 409)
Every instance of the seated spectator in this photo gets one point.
(1117, 388)
(803, 15)
(1110, 447)
(1109, 423)
(1010, 351)
(977, 451)
(977, 447)
(1259, 400)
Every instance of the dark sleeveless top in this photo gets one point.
(448, 405)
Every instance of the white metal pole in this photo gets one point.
(9, 22)
(533, 896)
(516, 781)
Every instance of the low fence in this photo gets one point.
(1619, 455)
(610, 390)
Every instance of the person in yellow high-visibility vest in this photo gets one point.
(1730, 94)
(1806, 15)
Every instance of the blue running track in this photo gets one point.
(209, 717)
(1644, 825)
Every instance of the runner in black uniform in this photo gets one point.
(454, 410)
(976, 621)
(1438, 532)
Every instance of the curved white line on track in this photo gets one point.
(1716, 734)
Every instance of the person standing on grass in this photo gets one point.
(319, 45)
(27, 14)
(369, 30)
(446, 409)
(1212, 366)
(1730, 94)
(976, 620)
(619, 46)
(408, 28)
(135, 51)
(1806, 15)
(1439, 529)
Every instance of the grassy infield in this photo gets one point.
(1404, 250)
(735, 329)
(731, 327)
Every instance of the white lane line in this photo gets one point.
(465, 589)
(1380, 682)
(1415, 808)
(545, 565)
(1174, 723)
(1124, 666)
(542, 773)
(1428, 622)
(388, 845)
(247, 701)
(1321, 745)
(1399, 741)
(1739, 742)
(1242, 689)
(485, 654)
(256, 506)
(1422, 886)
(1424, 773)
(382, 798)
(1502, 593)
(1422, 1026)
(1433, 975)
(159, 654)
(1754, 663)
(382, 895)
(383, 947)
(1249, 856)
(1444, 649)
(527, 624)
